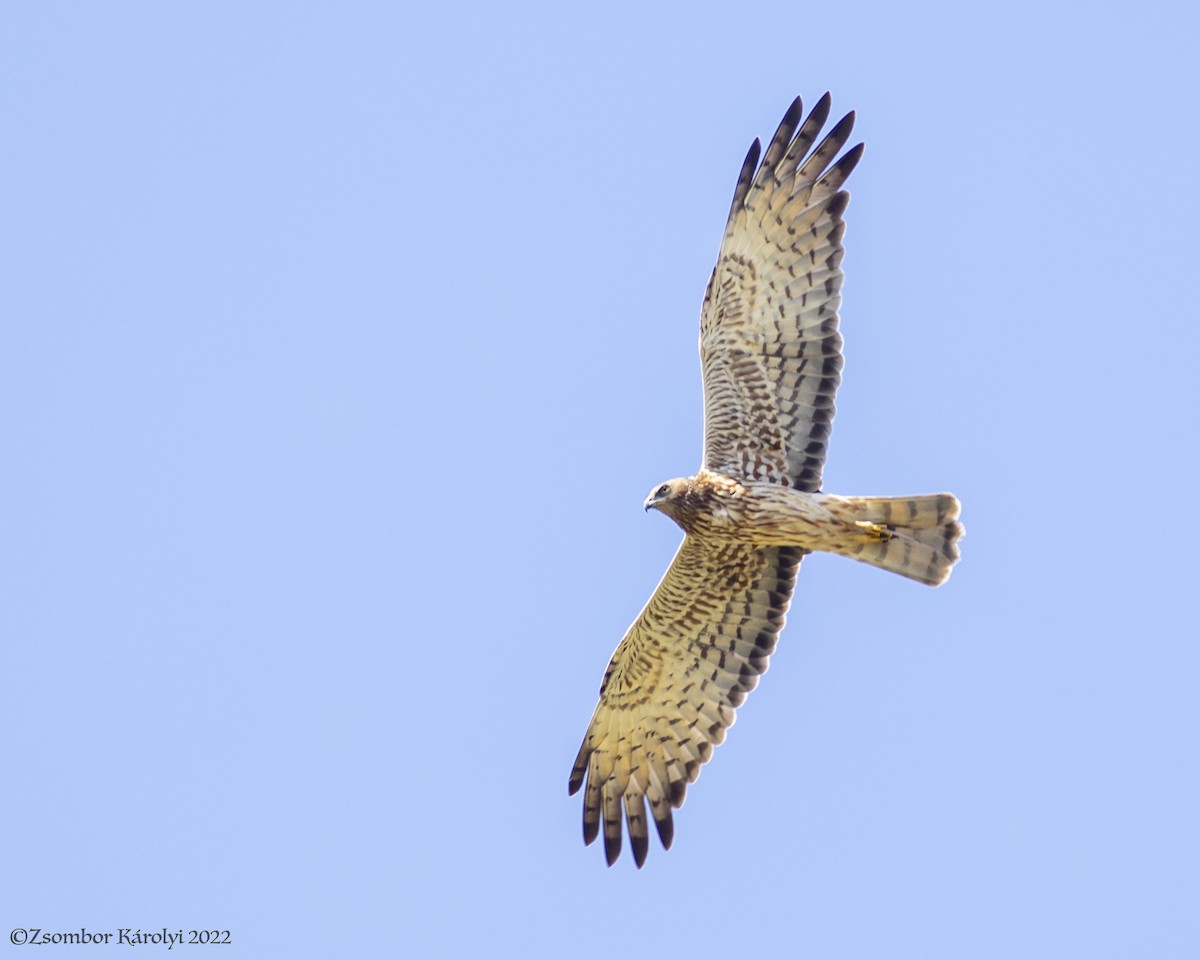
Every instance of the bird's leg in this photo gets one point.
(874, 531)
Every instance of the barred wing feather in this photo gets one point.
(770, 350)
(671, 689)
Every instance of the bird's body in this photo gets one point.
(771, 358)
(912, 536)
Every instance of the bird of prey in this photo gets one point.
(771, 357)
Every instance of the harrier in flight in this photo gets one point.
(771, 357)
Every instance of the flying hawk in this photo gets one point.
(771, 357)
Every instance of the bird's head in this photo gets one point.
(668, 496)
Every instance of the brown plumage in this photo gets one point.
(771, 357)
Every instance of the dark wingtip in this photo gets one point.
(856, 152)
(792, 117)
(576, 780)
(821, 109)
(666, 830)
(579, 769)
(840, 172)
(612, 848)
(753, 154)
(745, 177)
(640, 845)
(817, 117)
(677, 791)
(837, 204)
(783, 135)
(841, 131)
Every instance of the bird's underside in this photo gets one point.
(771, 359)
(915, 537)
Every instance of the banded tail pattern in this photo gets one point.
(916, 537)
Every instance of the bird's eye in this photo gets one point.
(663, 490)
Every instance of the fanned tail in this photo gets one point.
(916, 537)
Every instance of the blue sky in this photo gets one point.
(342, 344)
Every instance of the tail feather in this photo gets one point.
(916, 537)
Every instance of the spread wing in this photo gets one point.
(770, 351)
(671, 688)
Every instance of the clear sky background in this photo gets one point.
(341, 344)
